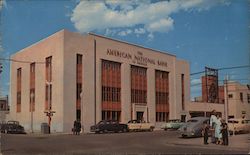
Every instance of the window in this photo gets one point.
(182, 92)
(241, 96)
(32, 87)
(79, 59)
(32, 99)
(161, 95)
(230, 95)
(248, 98)
(48, 83)
(138, 84)
(19, 83)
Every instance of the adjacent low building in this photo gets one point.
(69, 76)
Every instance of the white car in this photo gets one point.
(238, 126)
(138, 125)
(172, 124)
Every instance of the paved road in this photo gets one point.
(116, 143)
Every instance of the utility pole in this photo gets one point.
(226, 98)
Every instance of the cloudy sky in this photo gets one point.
(213, 33)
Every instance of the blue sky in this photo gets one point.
(212, 33)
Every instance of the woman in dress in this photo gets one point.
(218, 134)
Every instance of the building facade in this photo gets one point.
(70, 76)
(238, 98)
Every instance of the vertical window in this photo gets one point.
(248, 98)
(111, 90)
(161, 95)
(32, 87)
(19, 84)
(138, 85)
(79, 71)
(241, 96)
(48, 83)
(182, 92)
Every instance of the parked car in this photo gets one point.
(139, 125)
(105, 126)
(238, 126)
(12, 127)
(172, 124)
(193, 127)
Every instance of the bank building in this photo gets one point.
(69, 76)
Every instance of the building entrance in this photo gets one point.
(139, 115)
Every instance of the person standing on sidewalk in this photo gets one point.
(78, 127)
(205, 132)
(218, 135)
(224, 132)
(213, 120)
(74, 129)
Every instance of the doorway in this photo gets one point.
(139, 115)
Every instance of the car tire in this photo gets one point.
(125, 130)
(165, 129)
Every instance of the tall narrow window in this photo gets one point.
(48, 83)
(241, 96)
(248, 98)
(182, 92)
(32, 87)
(138, 85)
(78, 85)
(111, 90)
(19, 87)
(162, 95)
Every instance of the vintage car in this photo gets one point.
(172, 124)
(12, 127)
(193, 127)
(139, 125)
(236, 126)
(105, 126)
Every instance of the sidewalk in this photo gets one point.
(237, 142)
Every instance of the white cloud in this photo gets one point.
(124, 33)
(195, 81)
(3, 4)
(140, 31)
(148, 17)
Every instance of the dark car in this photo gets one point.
(193, 127)
(12, 127)
(105, 126)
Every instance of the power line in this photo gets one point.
(20, 61)
(224, 68)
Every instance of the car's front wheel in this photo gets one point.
(125, 130)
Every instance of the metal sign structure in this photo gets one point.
(212, 85)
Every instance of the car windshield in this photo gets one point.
(101, 122)
(192, 120)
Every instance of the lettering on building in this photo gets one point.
(136, 58)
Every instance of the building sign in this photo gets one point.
(136, 58)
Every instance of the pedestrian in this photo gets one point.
(218, 135)
(74, 128)
(212, 126)
(205, 130)
(78, 127)
(224, 132)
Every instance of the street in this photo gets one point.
(157, 142)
